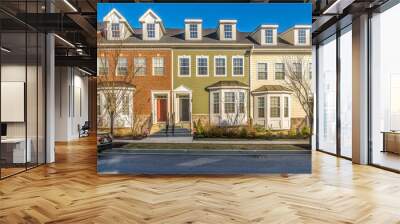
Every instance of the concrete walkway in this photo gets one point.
(214, 141)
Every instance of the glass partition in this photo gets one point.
(327, 95)
(22, 88)
(346, 92)
(385, 89)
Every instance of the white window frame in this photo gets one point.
(301, 37)
(153, 65)
(213, 102)
(279, 108)
(148, 31)
(233, 67)
(179, 66)
(227, 32)
(244, 102)
(196, 31)
(100, 61)
(264, 106)
(267, 36)
(135, 65)
(215, 65)
(284, 106)
(197, 66)
(284, 71)
(116, 31)
(118, 65)
(235, 103)
(258, 77)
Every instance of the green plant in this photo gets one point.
(305, 131)
(292, 133)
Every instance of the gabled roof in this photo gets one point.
(272, 88)
(227, 84)
(157, 19)
(122, 18)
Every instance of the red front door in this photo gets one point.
(161, 110)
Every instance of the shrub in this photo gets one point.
(305, 131)
(292, 133)
(244, 133)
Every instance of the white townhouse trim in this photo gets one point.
(179, 65)
(215, 65)
(232, 66)
(208, 66)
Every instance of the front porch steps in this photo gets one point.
(158, 130)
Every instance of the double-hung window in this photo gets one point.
(102, 66)
(158, 66)
(184, 66)
(193, 31)
(297, 70)
(237, 63)
(262, 71)
(151, 30)
(286, 107)
(228, 31)
(302, 36)
(202, 66)
(220, 66)
(261, 106)
(269, 36)
(279, 71)
(275, 106)
(216, 103)
(140, 65)
(122, 66)
(115, 30)
(241, 103)
(229, 104)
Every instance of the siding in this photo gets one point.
(297, 110)
(200, 103)
(145, 84)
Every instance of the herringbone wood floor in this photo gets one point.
(70, 191)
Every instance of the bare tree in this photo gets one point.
(114, 82)
(297, 78)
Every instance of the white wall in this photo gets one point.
(71, 103)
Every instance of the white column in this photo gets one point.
(360, 90)
(50, 100)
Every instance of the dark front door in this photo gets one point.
(183, 109)
(161, 110)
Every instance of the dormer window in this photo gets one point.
(115, 30)
(269, 36)
(151, 30)
(302, 36)
(116, 26)
(228, 31)
(193, 31)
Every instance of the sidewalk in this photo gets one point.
(214, 141)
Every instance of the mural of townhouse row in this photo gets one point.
(159, 76)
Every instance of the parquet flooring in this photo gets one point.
(70, 191)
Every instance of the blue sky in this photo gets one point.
(249, 15)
